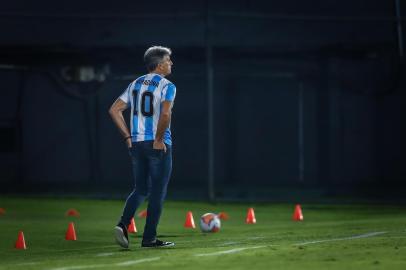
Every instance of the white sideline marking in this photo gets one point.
(372, 234)
(235, 250)
(228, 244)
(231, 238)
(104, 254)
(366, 235)
(127, 263)
(255, 237)
(28, 263)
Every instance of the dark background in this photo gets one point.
(308, 96)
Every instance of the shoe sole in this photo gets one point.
(170, 245)
(120, 238)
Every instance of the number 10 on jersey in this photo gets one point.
(147, 103)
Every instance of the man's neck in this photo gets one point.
(157, 72)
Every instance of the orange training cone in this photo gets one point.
(250, 216)
(131, 228)
(297, 215)
(70, 233)
(189, 222)
(143, 214)
(20, 243)
(223, 216)
(72, 213)
(2, 211)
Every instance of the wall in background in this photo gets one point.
(305, 97)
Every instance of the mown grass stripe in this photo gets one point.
(126, 263)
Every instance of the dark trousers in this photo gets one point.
(152, 169)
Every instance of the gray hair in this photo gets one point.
(154, 55)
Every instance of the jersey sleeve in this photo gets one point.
(126, 95)
(169, 92)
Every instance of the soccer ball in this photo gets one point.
(210, 222)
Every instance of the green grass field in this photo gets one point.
(330, 237)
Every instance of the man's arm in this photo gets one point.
(116, 113)
(163, 124)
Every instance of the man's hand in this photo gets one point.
(163, 123)
(128, 142)
(159, 145)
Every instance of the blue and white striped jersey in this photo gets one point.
(145, 96)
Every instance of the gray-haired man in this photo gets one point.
(150, 98)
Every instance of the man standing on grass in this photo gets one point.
(150, 98)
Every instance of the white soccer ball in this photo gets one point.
(210, 222)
